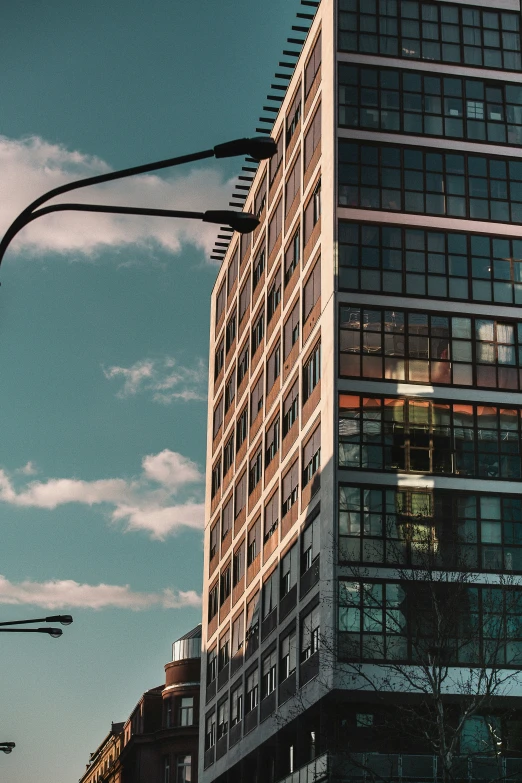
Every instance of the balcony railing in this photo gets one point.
(313, 772)
(378, 767)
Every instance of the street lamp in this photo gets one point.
(7, 747)
(63, 619)
(258, 147)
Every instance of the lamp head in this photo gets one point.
(54, 632)
(258, 147)
(243, 222)
(64, 619)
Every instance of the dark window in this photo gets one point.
(313, 65)
(259, 268)
(246, 241)
(224, 586)
(241, 428)
(214, 535)
(186, 711)
(311, 456)
(310, 633)
(236, 700)
(273, 367)
(238, 564)
(428, 348)
(290, 488)
(253, 541)
(271, 516)
(230, 390)
(272, 441)
(220, 302)
(311, 372)
(313, 137)
(228, 455)
(291, 330)
(227, 517)
(256, 399)
(289, 570)
(241, 487)
(224, 651)
(288, 653)
(448, 33)
(293, 183)
(255, 471)
(274, 296)
(310, 544)
(212, 662)
(292, 255)
(231, 331)
(428, 436)
(293, 118)
(243, 362)
(269, 595)
(268, 674)
(238, 634)
(232, 271)
(275, 226)
(213, 602)
(210, 731)
(222, 719)
(252, 691)
(291, 408)
(277, 159)
(260, 199)
(312, 290)
(219, 359)
(216, 478)
(244, 298)
(258, 332)
(312, 212)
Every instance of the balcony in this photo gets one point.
(313, 772)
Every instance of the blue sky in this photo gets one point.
(103, 347)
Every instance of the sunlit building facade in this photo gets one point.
(365, 366)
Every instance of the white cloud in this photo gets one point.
(31, 166)
(166, 380)
(66, 593)
(148, 502)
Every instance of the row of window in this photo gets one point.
(429, 31)
(262, 680)
(432, 183)
(417, 262)
(178, 711)
(277, 429)
(427, 436)
(405, 345)
(410, 102)
(411, 526)
(396, 621)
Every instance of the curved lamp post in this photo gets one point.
(258, 147)
(63, 619)
(7, 747)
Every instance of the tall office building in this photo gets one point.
(365, 369)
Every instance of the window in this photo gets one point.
(241, 428)
(410, 180)
(232, 271)
(288, 658)
(224, 651)
(293, 118)
(258, 332)
(453, 34)
(410, 102)
(272, 441)
(289, 570)
(291, 408)
(243, 362)
(313, 137)
(312, 290)
(274, 296)
(219, 359)
(256, 469)
(230, 390)
(253, 542)
(214, 540)
(166, 770)
(224, 585)
(259, 268)
(293, 184)
(269, 595)
(275, 226)
(231, 331)
(186, 711)
(311, 372)
(271, 516)
(312, 66)
(236, 700)
(246, 242)
(256, 399)
(220, 302)
(210, 731)
(184, 769)
(238, 564)
(228, 455)
(277, 159)
(268, 674)
(310, 544)
(293, 255)
(428, 348)
(169, 717)
(312, 456)
(427, 436)
(291, 331)
(310, 630)
(252, 690)
(252, 618)
(222, 721)
(238, 634)
(244, 298)
(241, 487)
(216, 478)
(273, 367)
(290, 488)
(218, 417)
(260, 200)
(211, 665)
(312, 212)
(226, 518)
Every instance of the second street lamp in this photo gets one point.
(258, 147)
(63, 619)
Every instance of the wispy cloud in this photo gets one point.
(149, 502)
(166, 380)
(66, 593)
(31, 166)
